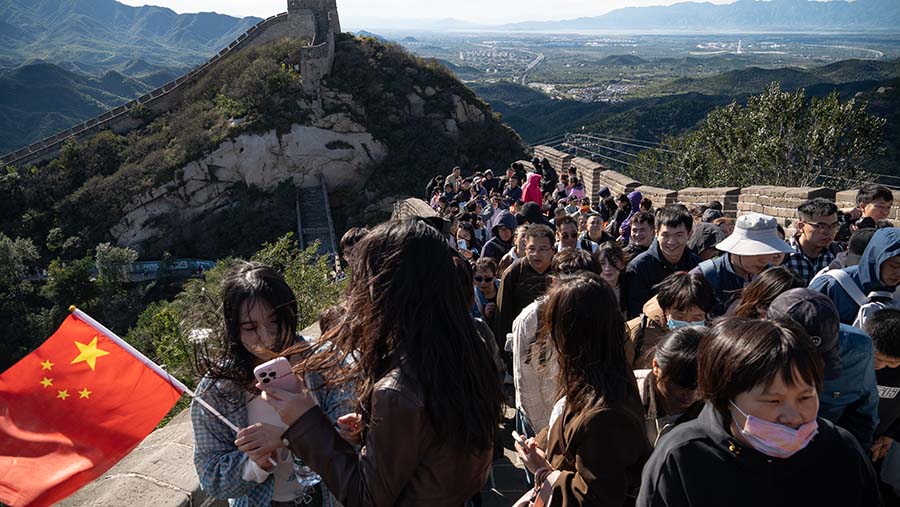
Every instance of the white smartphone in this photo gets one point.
(278, 373)
(518, 438)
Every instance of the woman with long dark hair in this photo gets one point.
(257, 322)
(430, 399)
(596, 444)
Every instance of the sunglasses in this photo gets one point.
(481, 279)
(573, 235)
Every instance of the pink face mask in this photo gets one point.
(776, 440)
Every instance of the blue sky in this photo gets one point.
(357, 12)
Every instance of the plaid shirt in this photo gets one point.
(806, 268)
(217, 459)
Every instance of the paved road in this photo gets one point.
(537, 61)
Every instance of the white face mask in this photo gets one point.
(776, 440)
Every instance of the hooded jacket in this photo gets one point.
(531, 191)
(885, 244)
(635, 198)
(699, 464)
(497, 248)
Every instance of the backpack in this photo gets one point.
(868, 305)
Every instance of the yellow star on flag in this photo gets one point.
(47, 382)
(89, 353)
(63, 394)
(84, 393)
(46, 365)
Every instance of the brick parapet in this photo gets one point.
(660, 196)
(560, 161)
(728, 196)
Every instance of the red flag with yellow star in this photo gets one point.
(73, 408)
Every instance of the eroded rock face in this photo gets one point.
(339, 149)
(333, 140)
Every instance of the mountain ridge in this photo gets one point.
(786, 15)
(101, 35)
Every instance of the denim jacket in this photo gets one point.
(218, 460)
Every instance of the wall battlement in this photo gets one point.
(313, 20)
(778, 202)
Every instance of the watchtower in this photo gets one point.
(324, 11)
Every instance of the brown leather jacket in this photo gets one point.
(402, 462)
(647, 328)
(600, 452)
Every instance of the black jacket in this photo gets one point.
(888, 402)
(647, 270)
(497, 248)
(699, 464)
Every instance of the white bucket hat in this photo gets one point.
(754, 234)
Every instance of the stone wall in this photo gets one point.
(778, 202)
(315, 63)
(300, 24)
(728, 196)
(589, 174)
(558, 159)
(660, 196)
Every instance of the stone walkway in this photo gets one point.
(507, 483)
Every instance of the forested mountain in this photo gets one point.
(39, 99)
(102, 35)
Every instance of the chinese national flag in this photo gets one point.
(70, 410)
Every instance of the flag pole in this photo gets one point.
(150, 364)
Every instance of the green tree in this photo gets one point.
(779, 138)
(169, 331)
(306, 272)
(112, 263)
(16, 324)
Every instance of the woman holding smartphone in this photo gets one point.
(596, 443)
(253, 468)
(430, 399)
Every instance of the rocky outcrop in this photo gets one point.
(335, 146)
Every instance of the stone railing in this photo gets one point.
(121, 118)
(778, 202)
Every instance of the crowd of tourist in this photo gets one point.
(657, 357)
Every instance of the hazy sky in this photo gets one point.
(480, 11)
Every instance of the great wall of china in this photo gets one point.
(779, 202)
(315, 21)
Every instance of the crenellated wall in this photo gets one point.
(778, 202)
(303, 21)
(728, 196)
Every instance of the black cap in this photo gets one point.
(705, 235)
(530, 212)
(711, 214)
(818, 315)
(857, 245)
